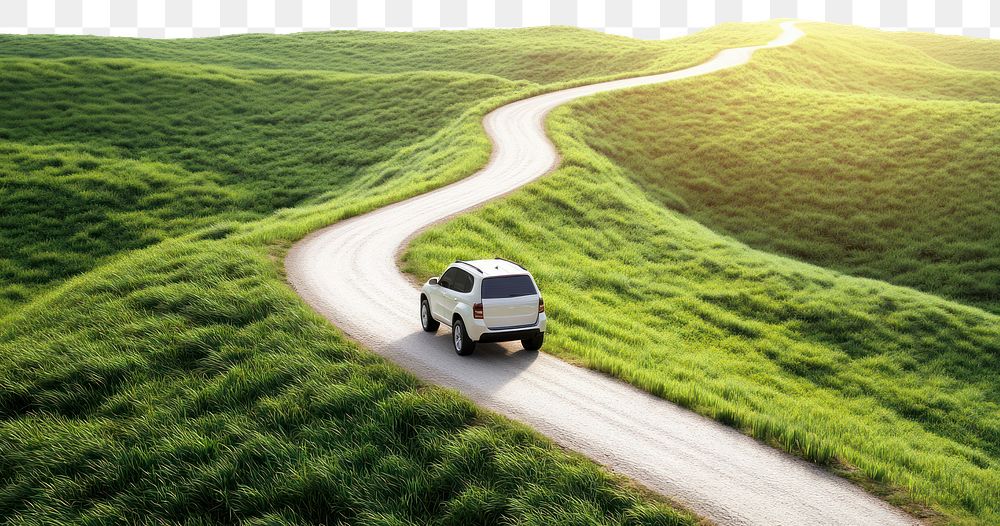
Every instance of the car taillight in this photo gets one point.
(541, 304)
(477, 311)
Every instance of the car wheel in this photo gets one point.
(426, 320)
(463, 344)
(534, 343)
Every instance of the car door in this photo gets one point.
(459, 285)
(443, 303)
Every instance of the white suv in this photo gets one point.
(487, 300)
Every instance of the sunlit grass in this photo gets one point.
(849, 150)
(877, 381)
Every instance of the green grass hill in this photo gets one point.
(99, 156)
(853, 150)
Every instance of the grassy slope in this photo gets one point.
(76, 207)
(859, 153)
(879, 381)
(969, 53)
(256, 141)
(184, 381)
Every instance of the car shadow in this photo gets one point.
(432, 358)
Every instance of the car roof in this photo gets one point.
(493, 267)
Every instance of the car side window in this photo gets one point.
(448, 278)
(463, 282)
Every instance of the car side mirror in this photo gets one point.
(432, 281)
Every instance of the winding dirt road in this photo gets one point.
(348, 273)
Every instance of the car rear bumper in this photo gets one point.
(479, 332)
(508, 336)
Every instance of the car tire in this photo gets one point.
(463, 344)
(426, 320)
(534, 343)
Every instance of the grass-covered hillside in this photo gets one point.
(99, 156)
(851, 149)
(854, 150)
(153, 365)
(968, 53)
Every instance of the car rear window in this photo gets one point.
(508, 287)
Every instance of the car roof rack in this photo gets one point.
(471, 265)
(511, 262)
